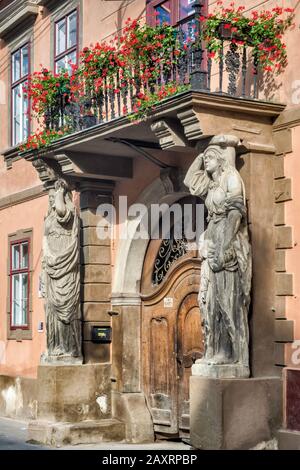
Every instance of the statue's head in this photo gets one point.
(61, 184)
(220, 153)
(213, 160)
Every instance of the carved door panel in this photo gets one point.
(172, 341)
(189, 349)
(160, 368)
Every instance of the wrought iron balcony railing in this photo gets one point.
(235, 75)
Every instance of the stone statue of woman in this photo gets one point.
(61, 278)
(225, 251)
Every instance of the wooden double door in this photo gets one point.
(171, 339)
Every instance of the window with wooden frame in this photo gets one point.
(178, 13)
(19, 300)
(66, 41)
(19, 283)
(20, 66)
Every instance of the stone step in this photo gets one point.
(84, 432)
(288, 440)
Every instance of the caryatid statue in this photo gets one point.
(61, 278)
(224, 249)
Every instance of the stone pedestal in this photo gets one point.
(222, 371)
(74, 406)
(233, 413)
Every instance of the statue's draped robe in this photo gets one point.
(62, 284)
(224, 294)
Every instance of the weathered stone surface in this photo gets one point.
(280, 261)
(225, 371)
(283, 141)
(287, 355)
(284, 284)
(279, 214)
(91, 199)
(283, 190)
(238, 414)
(126, 350)
(132, 409)
(288, 440)
(284, 330)
(95, 273)
(62, 396)
(87, 432)
(95, 311)
(280, 307)
(95, 255)
(95, 292)
(279, 354)
(284, 237)
(89, 217)
(96, 353)
(18, 397)
(89, 236)
(279, 167)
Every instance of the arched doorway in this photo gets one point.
(171, 332)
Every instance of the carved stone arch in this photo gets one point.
(168, 189)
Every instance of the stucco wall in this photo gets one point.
(22, 357)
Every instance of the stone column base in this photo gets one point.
(131, 408)
(288, 440)
(220, 371)
(234, 413)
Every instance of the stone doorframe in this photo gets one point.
(129, 401)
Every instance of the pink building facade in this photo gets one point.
(115, 289)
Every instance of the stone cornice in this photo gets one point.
(21, 197)
(15, 13)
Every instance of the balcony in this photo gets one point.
(234, 76)
(115, 113)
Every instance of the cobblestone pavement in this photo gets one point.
(13, 435)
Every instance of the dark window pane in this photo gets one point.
(16, 66)
(15, 257)
(24, 259)
(163, 13)
(60, 36)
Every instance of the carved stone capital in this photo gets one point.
(49, 171)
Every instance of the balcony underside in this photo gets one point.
(106, 151)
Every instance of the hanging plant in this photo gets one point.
(262, 31)
(147, 101)
(43, 89)
(44, 137)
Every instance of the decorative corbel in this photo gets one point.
(170, 134)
